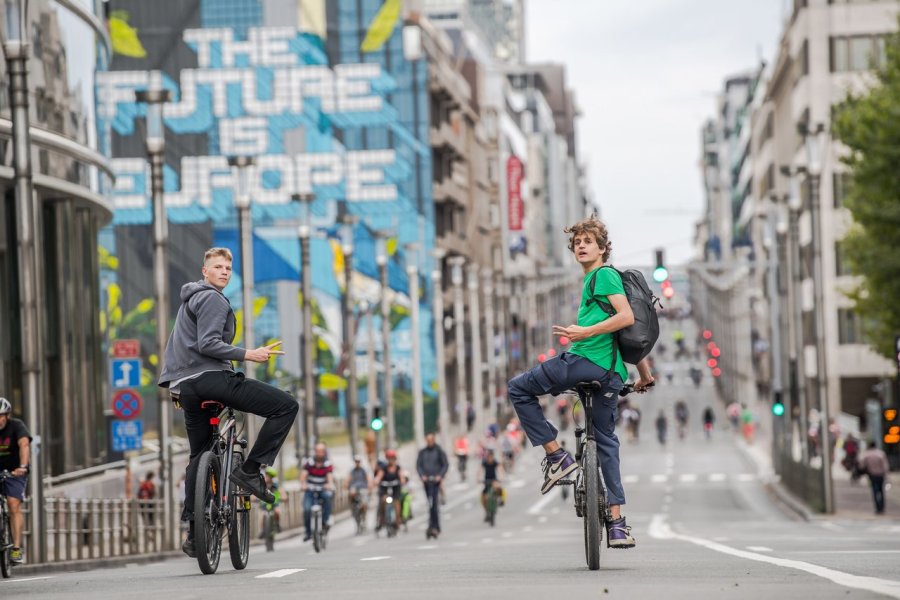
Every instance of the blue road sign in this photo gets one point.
(126, 372)
(126, 435)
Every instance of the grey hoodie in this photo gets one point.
(202, 341)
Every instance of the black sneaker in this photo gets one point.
(255, 484)
(307, 537)
(188, 547)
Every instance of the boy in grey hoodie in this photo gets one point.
(197, 367)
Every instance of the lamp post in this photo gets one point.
(240, 165)
(372, 383)
(437, 281)
(487, 275)
(155, 96)
(381, 259)
(459, 315)
(412, 272)
(306, 347)
(477, 371)
(814, 137)
(15, 48)
(348, 221)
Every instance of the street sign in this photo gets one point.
(126, 372)
(126, 435)
(127, 404)
(126, 348)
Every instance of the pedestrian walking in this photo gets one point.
(874, 463)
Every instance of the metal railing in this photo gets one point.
(101, 528)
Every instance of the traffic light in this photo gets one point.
(377, 424)
(778, 405)
(660, 273)
(891, 428)
(707, 334)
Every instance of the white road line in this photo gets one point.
(460, 544)
(527, 528)
(687, 478)
(538, 506)
(375, 558)
(427, 547)
(659, 478)
(542, 519)
(717, 477)
(507, 534)
(518, 483)
(17, 580)
(279, 573)
(667, 499)
(846, 552)
(746, 477)
(487, 540)
(631, 479)
(759, 549)
(660, 529)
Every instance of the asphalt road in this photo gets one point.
(705, 527)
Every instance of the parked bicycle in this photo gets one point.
(221, 509)
(6, 544)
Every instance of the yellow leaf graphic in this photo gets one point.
(329, 382)
(124, 37)
(145, 305)
(382, 26)
(391, 246)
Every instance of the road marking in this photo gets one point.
(759, 549)
(375, 558)
(631, 479)
(538, 506)
(487, 540)
(507, 534)
(460, 544)
(746, 477)
(427, 547)
(518, 483)
(659, 529)
(527, 528)
(687, 478)
(659, 478)
(542, 519)
(667, 499)
(468, 506)
(846, 552)
(279, 573)
(459, 486)
(717, 477)
(30, 579)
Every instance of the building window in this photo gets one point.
(857, 53)
(849, 327)
(841, 266)
(840, 185)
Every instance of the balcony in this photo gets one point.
(449, 138)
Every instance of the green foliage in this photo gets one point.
(869, 125)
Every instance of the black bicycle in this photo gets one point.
(358, 507)
(318, 528)
(590, 491)
(6, 544)
(221, 509)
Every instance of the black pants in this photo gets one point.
(878, 492)
(246, 395)
(433, 492)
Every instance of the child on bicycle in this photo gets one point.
(590, 358)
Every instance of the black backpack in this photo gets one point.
(636, 341)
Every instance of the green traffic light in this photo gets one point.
(377, 424)
(778, 409)
(660, 274)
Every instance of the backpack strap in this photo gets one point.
(610, 311)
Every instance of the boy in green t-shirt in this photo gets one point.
(588, 359)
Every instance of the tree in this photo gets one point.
(869, 125)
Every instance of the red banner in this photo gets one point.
(514, 173)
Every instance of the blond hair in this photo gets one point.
(216, 253)
(595, 228)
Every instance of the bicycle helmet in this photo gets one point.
(271, 472)
(357, 458)
(390, 453)
(5, 406)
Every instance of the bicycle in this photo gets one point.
(220, 508)
(591, 503)
(5, 532)
(358, 505)
(462, 459)
(491, 503)
(388, 509)
(269, 527)
(317, 527)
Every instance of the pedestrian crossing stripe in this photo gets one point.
(689, 478)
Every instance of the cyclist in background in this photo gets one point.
(389, 477)
(357, 485)
(317, 475)
(681, 415)
(15, 457)
(271, 479)
(492, 472)
(461, 450)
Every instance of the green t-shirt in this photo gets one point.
(598, 349)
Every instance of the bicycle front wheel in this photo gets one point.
(207, 509)
(591, 474)
(5, 545)
(239, 529)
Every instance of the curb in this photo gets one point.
(772, 483)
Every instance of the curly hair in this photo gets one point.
(594, 227)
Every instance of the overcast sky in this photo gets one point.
(645, 75)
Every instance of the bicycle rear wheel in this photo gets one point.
(492, 507)
(239, 528)
(207, 508)
(317, 530)
(5, 545)
(590, 470)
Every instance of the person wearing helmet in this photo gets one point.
(389, 478)
(15, 457)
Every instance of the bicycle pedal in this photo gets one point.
(242, 442)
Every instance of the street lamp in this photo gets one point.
(348, 221)
(815, 141)
(306, 347)
(15, 48)
(381, 259)
(412, 272)
(459, 315)
(474, 281)
(437, 279)
(155, 96)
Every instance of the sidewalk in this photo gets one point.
(851, 500)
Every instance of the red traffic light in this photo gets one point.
(707, 334)
(716, 372)
(712, 363)
(551, 352)
(542, 357)
(715, 352)
(666, 284)
(668, 292)
(711, 346)
(564, 341)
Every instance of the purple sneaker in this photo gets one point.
(556, 466)
(618, 534)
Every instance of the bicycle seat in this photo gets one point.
(212, 405)
(587, 387)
